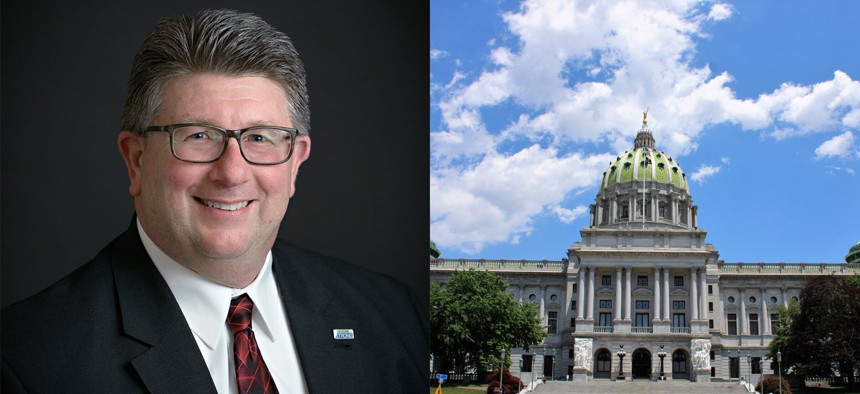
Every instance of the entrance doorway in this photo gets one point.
(680, 365)
(602, 364)
(641, 364)
(548, 366)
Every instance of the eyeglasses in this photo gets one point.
(202, 143)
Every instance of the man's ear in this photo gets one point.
(131, 148)
(301, 152)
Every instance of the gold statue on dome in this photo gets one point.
(645, 117)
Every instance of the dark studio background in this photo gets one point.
(363, 195)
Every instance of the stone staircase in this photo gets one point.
(639, 386)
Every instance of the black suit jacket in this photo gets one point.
(114, 326)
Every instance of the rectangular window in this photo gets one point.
(573, 322)
(713, 355)
(774, 318)
(732, 324)
(679, 320)
(679, 305)
(734, 367)
(552, 322)
(756, 365)
(527, 363)
(642, 281)
(710, 307)
(569, 353)
(605, 319)
(606, 280)
(575, 287)
(679, 281)
(642, 304)
(711, 323)
(713, 372)
(710, 289)
(642, 320)
(573, 305)
(753, 324)
(606, 304)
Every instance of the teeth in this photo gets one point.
(225, 207)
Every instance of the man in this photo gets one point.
(198, 295)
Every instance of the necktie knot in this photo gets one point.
(239, 317)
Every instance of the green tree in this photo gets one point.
(824, 336)
(473, 318)
(783, 341)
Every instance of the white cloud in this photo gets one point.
(726, 160)
(436, 54)
(567, 216)
(495, 199)
(704, 172)
(720, 11)
(840, 146)
(833, 170)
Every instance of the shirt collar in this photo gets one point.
(206, 303)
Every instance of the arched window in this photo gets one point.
(604, 361)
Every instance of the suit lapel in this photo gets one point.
(151, 315)
(327, 363)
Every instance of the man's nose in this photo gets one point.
(231, 168)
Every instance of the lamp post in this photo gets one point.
(662, 355)
(779, 367)
(621, 353)
(749, 369)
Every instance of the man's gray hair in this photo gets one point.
(222, 42)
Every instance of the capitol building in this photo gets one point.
(643, 283)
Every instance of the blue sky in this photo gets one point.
(759, 102)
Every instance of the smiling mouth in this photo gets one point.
(223, 206)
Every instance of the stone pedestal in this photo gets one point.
(702, 375)
(581, 375)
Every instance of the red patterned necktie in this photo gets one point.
(251, 371)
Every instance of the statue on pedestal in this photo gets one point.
(701, 349)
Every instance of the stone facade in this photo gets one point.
(642, 280)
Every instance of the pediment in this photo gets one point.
(643, 292)
(680, 292)
(605, 291)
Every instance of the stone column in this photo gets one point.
(522, 292)
(591, 294)
(580, 294)
(784, 298)
(613, 210)
(543, 304)
(631, 207)
(674, 211)
(765, 317)
(666, 293)
(656, 293)
(591, 209)
(654, 207)
(745, 329)
(703, 291)
(694, 301)
(689, 216)
(628, 295)
(599, 213)
(618, 292)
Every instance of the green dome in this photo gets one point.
(853, 255)
(644, 163)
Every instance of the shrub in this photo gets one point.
(771, 385)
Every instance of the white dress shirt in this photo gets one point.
(205, 305)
